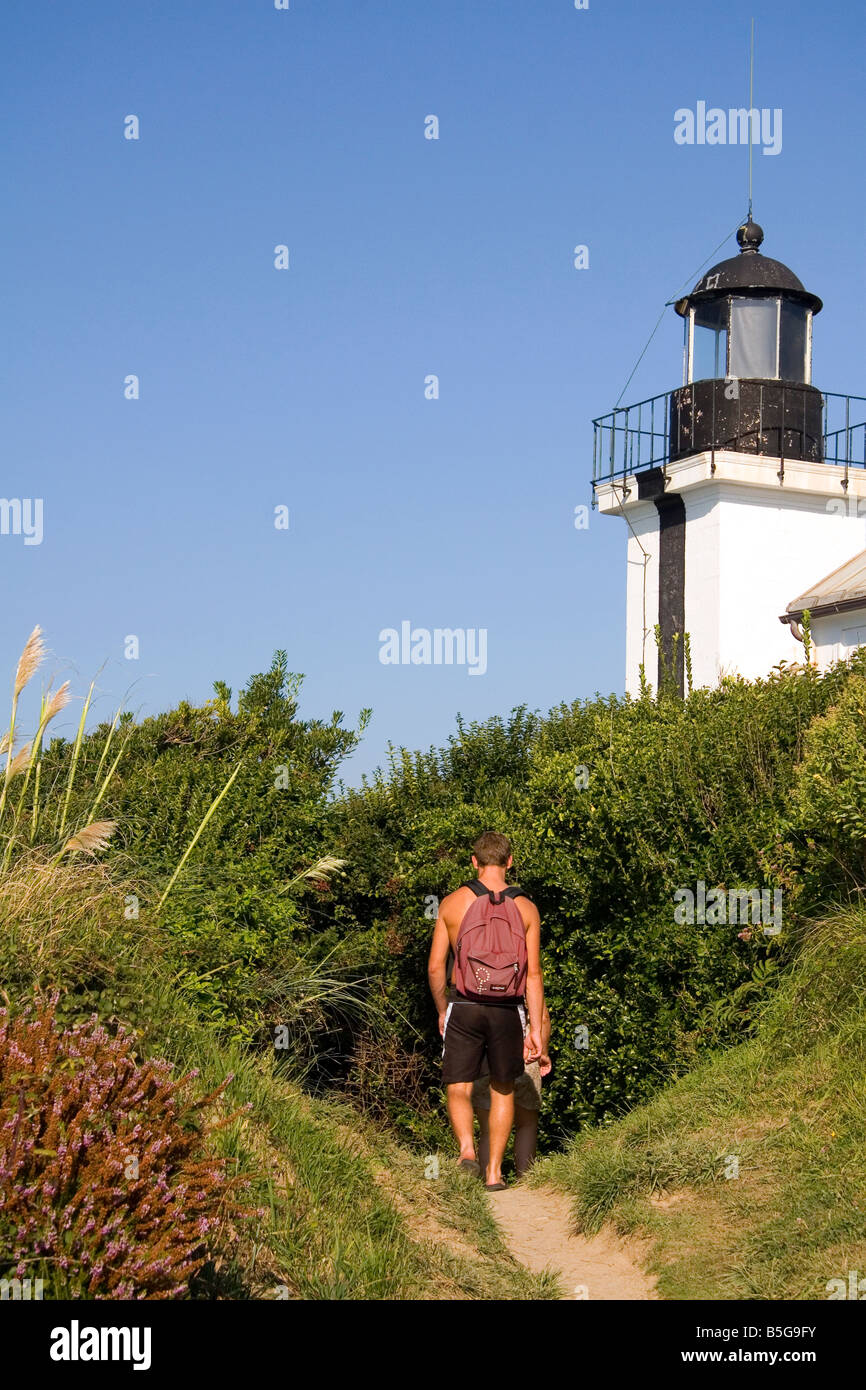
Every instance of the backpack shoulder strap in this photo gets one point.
(477, 888)
(480, 891)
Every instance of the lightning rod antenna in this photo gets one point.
(751, 108)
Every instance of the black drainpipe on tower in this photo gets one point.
(672, 572)
(672, 585)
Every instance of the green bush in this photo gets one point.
(826, 826)
(243, 913)
(612, 807)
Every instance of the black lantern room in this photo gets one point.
(748, 361)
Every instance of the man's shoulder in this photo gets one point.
(460, 898)
(527, 909)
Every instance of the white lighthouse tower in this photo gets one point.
(740, 488)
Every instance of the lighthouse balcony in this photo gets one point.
(773, 418)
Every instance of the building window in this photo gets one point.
(792, 341)
(710, 340)
(754, 338)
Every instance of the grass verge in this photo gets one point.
(747, 1175)
(342, 1211)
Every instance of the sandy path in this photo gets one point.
(537, 1226)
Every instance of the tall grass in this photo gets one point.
(93, 835)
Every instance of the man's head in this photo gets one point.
(492, 849)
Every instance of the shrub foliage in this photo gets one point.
(613, 806)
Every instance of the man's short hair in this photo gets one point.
(492, 848)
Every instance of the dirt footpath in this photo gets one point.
(536, 1223)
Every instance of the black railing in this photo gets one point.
(636, 437)
(630, 438)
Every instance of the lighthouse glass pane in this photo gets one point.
(792, 342)
(754, 337)
(710, 341)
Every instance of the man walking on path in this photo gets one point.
(494, 934)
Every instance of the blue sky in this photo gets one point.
(408, 257)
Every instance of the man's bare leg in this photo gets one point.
(483, 1138)
(525, 1138)
(501, 1120)
(462, 1117)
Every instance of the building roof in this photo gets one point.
(749, 273)
(843, 588)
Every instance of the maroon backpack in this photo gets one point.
(490, 959)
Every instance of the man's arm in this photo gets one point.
(534, 981)
(437, 968)
(544, 1059)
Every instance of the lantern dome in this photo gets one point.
(749, 273)
(749, 320)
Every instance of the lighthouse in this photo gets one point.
(740, 488)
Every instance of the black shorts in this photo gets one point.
(475, 1032)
